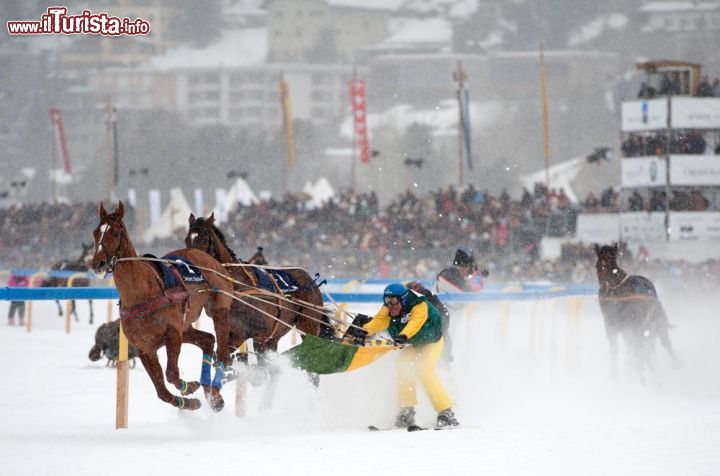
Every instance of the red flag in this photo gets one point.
(357, 101)
(60, 137)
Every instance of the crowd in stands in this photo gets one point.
(688, 143)
(413, 237)
(670, 85)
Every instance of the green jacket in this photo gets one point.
(419, 321)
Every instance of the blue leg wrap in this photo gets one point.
(217, 381)
(205, 373)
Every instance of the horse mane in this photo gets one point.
(221, 237)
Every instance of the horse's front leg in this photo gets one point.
(206, 342)
(92, 316)
(60, 311)
(152, 367)
(173, 344)
(73, 310)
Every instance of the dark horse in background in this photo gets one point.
(262, 318)
(80, 265)
(630, 306)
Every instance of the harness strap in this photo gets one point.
(155, 305)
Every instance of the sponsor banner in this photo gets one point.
(601, 228)
(695, 113)
(695, 169)
(642, 227)
(644, 115)
(643, 172)
(693, 226)
(359, 109)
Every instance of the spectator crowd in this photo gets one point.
(412, 237)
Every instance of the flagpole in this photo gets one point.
(55, 173)
(545, 113)
(109, 151)
(288, 128)
(459, 76)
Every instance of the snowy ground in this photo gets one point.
(532, 401)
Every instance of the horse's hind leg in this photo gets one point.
(222, 332)
(152, 367)
(92, 316)
(73, 310)
(173, 344)
(60, 312)
(662, 326)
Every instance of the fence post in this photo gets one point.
(68, 303)
(28, 321)
(123, 380)
(241, 385)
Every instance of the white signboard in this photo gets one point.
(642, 227)
(644, 115)
(600, 228)
(643, 172)
(695, 113)
(694, 169)
(693, 226)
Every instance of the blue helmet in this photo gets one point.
(395, 289)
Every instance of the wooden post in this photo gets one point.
(123, 380)
(241, 386)
(31, 281)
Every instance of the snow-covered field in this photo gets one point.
(533, 392)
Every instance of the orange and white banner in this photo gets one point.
(60, 137)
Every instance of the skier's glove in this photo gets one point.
(401, 339)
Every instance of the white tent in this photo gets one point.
(241, 193)
(560, 176)
(174, 217)
(321, 192)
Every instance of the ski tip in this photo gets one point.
(415, 428)
(373, 428)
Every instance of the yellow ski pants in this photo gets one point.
(419, 362)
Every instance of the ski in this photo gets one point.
(375, 428)
(437, 428)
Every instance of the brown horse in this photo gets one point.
(257, 324)
(82, 264)
(153, 316)
(630, 306)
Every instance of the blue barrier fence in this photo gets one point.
(530, 293)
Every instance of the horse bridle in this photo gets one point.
(112, 259)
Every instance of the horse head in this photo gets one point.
(200, 233)
(111, 240)
(606, 264)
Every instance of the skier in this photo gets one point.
(415, 324)
(418, 287)
(462, 276)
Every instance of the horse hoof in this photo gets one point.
(217, 404)
(190, 388)
(188, 404)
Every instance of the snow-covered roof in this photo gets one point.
(235, 48)
(432, 30)
(661, 7)
(594, 28)
(443, 119)
(387, 5)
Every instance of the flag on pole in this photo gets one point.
(115, 148)
(56, 119)
(359, 108)
(467, 131)
(287, 121)
(325, 356)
